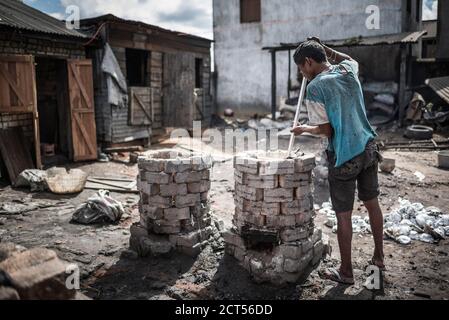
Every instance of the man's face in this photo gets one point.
(307, 69)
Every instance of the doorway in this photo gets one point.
(54, 111)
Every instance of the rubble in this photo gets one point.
(359, 224)
(274, 237)
(174, 209)
(414, 221)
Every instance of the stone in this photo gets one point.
(158, 246)
(317, 235)
(158, 178)
(291, 251)
(189, 200)
(199, 187)
(38, 274)
(177, 213)
(256, 266)
(306, 246)
(189, 177)
(7, 249)
(239, 253)
(318, 252)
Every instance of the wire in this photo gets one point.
(94, 37)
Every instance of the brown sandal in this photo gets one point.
(373, 263)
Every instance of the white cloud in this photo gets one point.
(57, 15)
(193, 16)
(430, 13)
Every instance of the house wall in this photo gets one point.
(244, 69)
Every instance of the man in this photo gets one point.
(336, 110)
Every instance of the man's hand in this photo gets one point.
(302, 129)
(315, 39)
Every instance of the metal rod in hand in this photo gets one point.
(298, 111)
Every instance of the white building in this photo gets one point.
(243, 27)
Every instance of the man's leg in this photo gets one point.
(344, 235)
(377, 228)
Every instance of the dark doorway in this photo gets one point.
(53, 108)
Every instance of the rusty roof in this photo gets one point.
(15, 14)
(440, 86)
(387, 39)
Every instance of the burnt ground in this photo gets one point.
(109, 271)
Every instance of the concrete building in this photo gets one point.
(243, 27)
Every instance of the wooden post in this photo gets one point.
(402, 84)
(37, 138)
(273, 84)
(289, 73)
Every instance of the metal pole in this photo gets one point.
(273, 84)
(298, 111)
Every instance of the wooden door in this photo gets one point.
(140, 106)
(179, 85)
(18, 91)
(82, 110)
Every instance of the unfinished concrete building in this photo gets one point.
(146, 79)
(266, 80)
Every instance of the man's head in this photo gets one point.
(310, 57)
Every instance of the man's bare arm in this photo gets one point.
(322, 129)
(333, 55)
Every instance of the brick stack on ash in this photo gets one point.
(174, 208)
(274, 236)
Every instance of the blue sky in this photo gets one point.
(190, 16)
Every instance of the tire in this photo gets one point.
(418, 132)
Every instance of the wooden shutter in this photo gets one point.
(17, 84)
(81, 94)
(140, 106)
(250, 11)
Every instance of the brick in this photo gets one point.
(158, 178)
(148, 189)
(38, 274)
(278, 195)
(205, 175)
(199, 187)
(233, 239)
(280, 221)
(188, 177)
(200, 163)
(259, 207)
(189, 200)
(246, 169)
(303, 218)
(254, 219)
(239, 254)
(152, 165)
(160, 202)
(296, 206)
(160, 227)
(303, 191)
(292, 235)
(186, 240)
(254, 181)
(305, 163)
(277, 167)
(8, 294)
(173, 189)
(318, 252)
(178, 166)
(317, 235)
(204, 196)
(238, 176)
(294, 180)
(306, 246)
(249, 193)
(152, 212)
(177, 214)
(291, 266)
(290, 251)
(246, 161)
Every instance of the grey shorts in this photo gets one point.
(361, 171)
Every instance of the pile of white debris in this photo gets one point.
(410, 221)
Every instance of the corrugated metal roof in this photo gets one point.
(111, 17)
(440, 86)
(387, 39)
(15, 14)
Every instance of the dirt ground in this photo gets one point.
(110, 271)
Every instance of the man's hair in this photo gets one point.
(309, 49)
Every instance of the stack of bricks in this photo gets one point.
(273, 195)
(174, 209)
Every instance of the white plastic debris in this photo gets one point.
(420, 176)
(404, 240)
